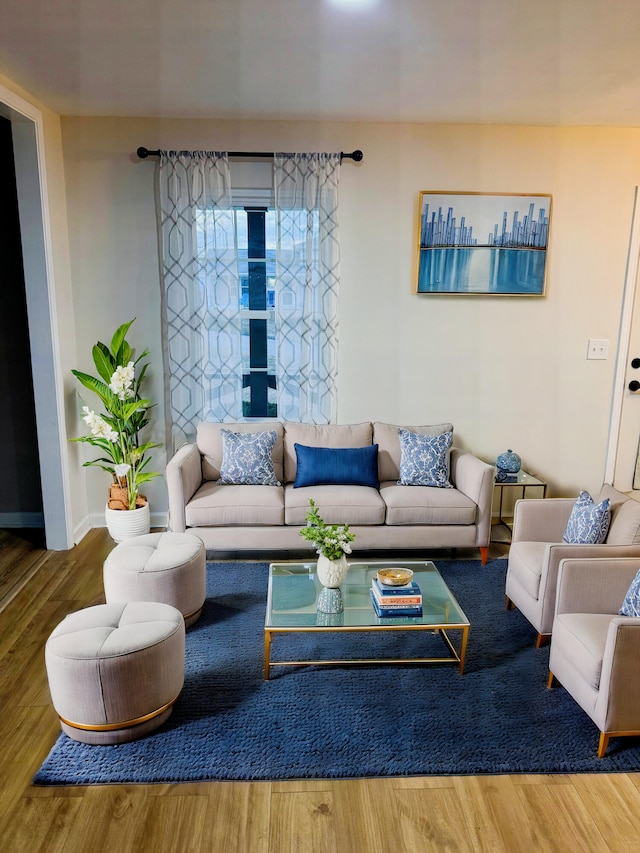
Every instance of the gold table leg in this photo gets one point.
(267, 653)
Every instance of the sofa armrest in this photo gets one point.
(184, 477)
(475, 478)
(594, 585)
(541, 519)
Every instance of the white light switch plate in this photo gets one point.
(598, 348)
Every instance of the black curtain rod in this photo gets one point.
(357, 155)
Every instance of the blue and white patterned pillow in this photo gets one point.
(246, 458)
(631, 603)
(589, 522)
(424, 459)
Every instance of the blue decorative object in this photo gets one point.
(346, 466)
(589, 522)
(246, 458)
(631, 603)
(508, 462)
(424, 459)
(229, 723)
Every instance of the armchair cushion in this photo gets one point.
(589, 522)
(631, 603)
(582, 637)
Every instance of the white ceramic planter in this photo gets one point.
(331, 573)
(123, 524)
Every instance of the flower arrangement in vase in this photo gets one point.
(332, 543)
(116, 432)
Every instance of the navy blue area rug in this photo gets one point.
(359, 721)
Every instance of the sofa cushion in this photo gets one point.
(218, 505)
(320, 435)
(388, 441)
(424, 459)
(209, 443)
(352, 505)
(589, 522)
(624, 528)
(324, 466)
(246, 458)
(426, 505)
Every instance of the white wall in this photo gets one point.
(507, 371)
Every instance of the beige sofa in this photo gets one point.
(265, 517)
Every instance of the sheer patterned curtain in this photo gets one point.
(307, 271)
(201, 295)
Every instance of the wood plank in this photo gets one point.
(238, 813)
(303, 822)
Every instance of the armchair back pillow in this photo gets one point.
(589, 522)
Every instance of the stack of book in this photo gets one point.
(396, 600)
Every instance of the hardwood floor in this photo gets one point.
(413, 815)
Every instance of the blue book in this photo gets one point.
(385, 612)
(410, 588)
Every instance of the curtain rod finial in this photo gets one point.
(357, 155)
(142, 153)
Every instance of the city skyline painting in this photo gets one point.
(483, 243)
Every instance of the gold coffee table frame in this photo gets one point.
(292, 608)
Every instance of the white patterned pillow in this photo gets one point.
(589, 522)
(246, 458)
(424, 459)
(631, 603)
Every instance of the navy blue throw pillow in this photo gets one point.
(336, 466)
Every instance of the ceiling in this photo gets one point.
(542, 62)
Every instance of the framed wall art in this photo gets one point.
(483, 243)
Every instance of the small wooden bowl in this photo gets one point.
(395, 576)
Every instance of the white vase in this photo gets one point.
(124, 523)
(331, 573)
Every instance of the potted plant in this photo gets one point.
(116, 432)
(332, 543)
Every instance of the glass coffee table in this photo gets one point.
(292, 608)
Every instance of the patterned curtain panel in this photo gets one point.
(307, 270)
(201, 323)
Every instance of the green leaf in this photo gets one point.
(103, 361)
(103, 391)
(145, 477)
(119, 336)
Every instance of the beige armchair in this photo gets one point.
(595, 653)
(537, 549)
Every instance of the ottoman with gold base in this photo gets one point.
(115, 670)
(167, 567)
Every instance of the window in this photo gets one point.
(256, 240)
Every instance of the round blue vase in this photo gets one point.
(508, 462)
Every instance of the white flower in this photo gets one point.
(122, 470)
(98, 426)
(122, 381)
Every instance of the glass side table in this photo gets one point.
(523, 483)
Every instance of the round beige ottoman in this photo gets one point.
(115, 670)
(168, 567)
